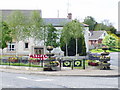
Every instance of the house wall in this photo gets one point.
(86, 36)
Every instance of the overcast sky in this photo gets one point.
(99, 9)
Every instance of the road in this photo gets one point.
(13, 80)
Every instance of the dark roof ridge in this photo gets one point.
(55, 18)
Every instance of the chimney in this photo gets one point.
(69, 16)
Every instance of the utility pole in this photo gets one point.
(68, 4)
(58, 13)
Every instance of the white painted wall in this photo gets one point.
(86, 36)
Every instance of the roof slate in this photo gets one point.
(59, 21)
(95, 35)
(56, 21)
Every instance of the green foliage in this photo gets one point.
(4, 35)
(100, 50)
(105, 25)
(90, 21)
(72, 30)
(66, 33)
(71, 38)
(100, 26)
(36, 26)
(109, 41)
(118, 43)
(52, 36)
(112, 29)
(17, 22)
(76, 29)
(81, 48)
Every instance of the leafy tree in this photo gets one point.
(18, 24)
(105, 25)
(76, 31)
(71, 46)
(71, 31)
(112, 29)
(66, 36)
(36, 26)
(118, 43)
(89, 20)
(5, 35)
(52, 36)
(109, 41)
(100, 26)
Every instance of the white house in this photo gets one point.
(30, 46)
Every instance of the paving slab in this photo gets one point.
(92, 71)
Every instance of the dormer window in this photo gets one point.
(104, 34)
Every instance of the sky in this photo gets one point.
(99, 9)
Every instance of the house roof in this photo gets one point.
(59, 21)
(95, 35)
(56, 21)
(7, 12)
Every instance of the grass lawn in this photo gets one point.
(20, 64)
(100, 50)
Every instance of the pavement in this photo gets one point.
(65, 71)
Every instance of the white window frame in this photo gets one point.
(10, 47)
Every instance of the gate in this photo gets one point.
(72, 63)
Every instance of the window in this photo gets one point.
(26, 45)
(89, 34)
(104, 34)
(11, 46)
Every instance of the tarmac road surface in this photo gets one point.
(13, 80)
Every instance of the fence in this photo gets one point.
(12, 61)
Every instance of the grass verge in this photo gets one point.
(100, 50)
(20, 64)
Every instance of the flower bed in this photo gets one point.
(13, 59)
(93, 63)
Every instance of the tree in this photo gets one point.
(112, 29)
(52, 36)
(71, 46)
(105, 25)
(100, 26)
(76, 31)
(91, 22)
(109, 41)
(5, 35)
(118, 43)
(17, 22)
(71, 31)
(66, 36)
(36, 26)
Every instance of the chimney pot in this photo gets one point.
(69, 16)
